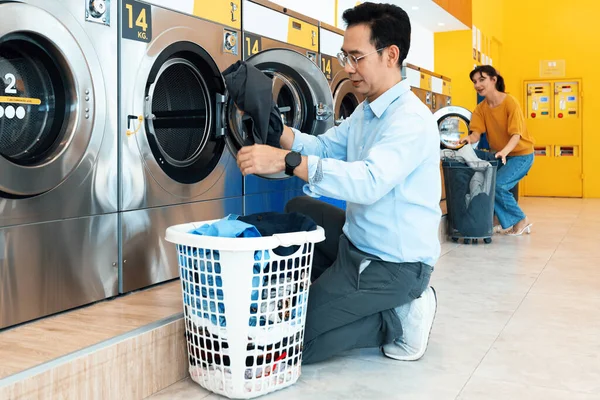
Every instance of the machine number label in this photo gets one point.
(252, 45)
(10, 89)
(137, 21)
(326, 66)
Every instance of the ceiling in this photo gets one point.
(429, 15)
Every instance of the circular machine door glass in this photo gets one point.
(46, 69)
(182, 115)
(301, 94)
(180, 112)
(453, 124)
(345, 101)
(32, 99)
(289, 99)
(348, 105)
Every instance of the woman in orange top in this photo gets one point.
(501, 118)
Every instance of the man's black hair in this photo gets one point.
(389, 25)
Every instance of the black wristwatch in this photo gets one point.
(292, 160)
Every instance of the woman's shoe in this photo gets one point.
(526, 229)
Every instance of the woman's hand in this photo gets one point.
(502, 154)
(466, 140)
(471, 138)
(512, 143)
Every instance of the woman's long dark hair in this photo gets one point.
(491, 72)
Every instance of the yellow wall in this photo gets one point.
(454, 50)
(558, 30)
(453, 58)
(525, 32)
(489, 17)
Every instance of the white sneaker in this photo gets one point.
(416, 326)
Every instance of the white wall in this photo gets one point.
(421, 47)
(343, 5)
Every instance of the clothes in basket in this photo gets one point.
(228, 227)
(244, 306)
(272, 223)
(278, 296)
(257, 225)
(203, 289)
(471, 191)
(275, 367)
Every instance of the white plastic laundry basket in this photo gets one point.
(244, 308)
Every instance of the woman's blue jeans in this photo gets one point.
(506, 207)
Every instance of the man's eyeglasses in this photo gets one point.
(351, 60)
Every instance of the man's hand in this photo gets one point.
(260, 159)
(502, 154)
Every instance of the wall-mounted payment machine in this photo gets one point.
(566, 100)
(538, 100)
(554, 120)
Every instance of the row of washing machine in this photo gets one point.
(115, 124)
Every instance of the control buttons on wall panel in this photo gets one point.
(538, 100)
(566, 99)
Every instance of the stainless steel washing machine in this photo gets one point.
(58, 156)
(286, 48)
(345, 97)
(177, 162)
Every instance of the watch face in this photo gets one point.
(293, 159)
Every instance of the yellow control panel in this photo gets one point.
(223, 12)
(566, 100)
(538, 100)
(554, 120)
(303, 34)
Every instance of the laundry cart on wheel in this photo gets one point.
(244, 308)
(470, 193)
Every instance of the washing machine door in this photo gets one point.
(51, 99)
(183, 97)
(453, 124)
(345, 99)
(300, 91)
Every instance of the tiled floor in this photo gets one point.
(517, 319)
